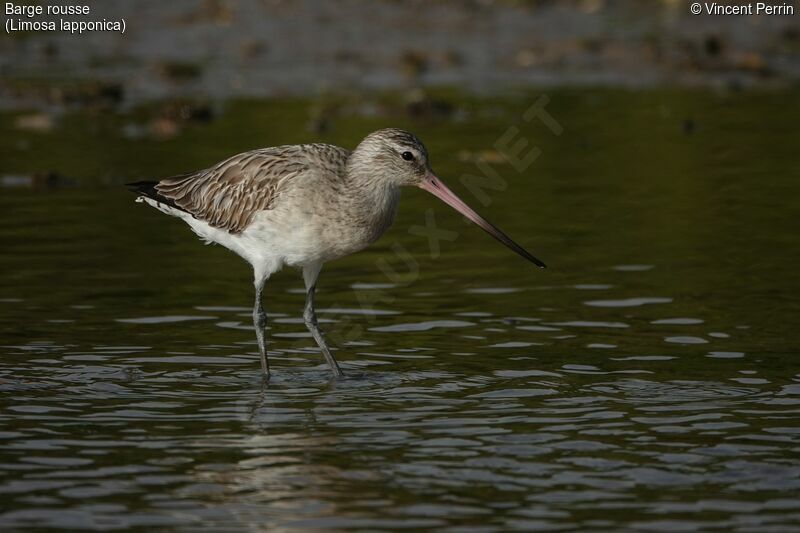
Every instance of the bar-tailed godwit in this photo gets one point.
(304, 205)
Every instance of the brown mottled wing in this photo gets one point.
(229, 194)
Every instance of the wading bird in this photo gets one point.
(304, 205)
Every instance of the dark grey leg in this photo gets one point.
(260, 322)
(310, 317)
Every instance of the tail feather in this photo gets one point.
(148, 189)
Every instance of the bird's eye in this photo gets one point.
(408, 156)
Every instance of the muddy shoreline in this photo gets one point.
(218, 50)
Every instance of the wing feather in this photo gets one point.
(229, 194)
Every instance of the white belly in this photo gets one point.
(294, 236)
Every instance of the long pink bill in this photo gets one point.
(434, 185)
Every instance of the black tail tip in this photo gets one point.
(141, 187)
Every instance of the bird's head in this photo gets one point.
(398, 158)
(393, 156)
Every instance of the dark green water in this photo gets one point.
(648, 380)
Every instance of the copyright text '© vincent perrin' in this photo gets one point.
(749, 8)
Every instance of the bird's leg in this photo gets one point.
(310, 317)
(260, 322)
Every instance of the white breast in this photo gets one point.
(308, 225)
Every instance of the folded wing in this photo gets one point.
(229, 194)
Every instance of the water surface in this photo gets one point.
(648, 379)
